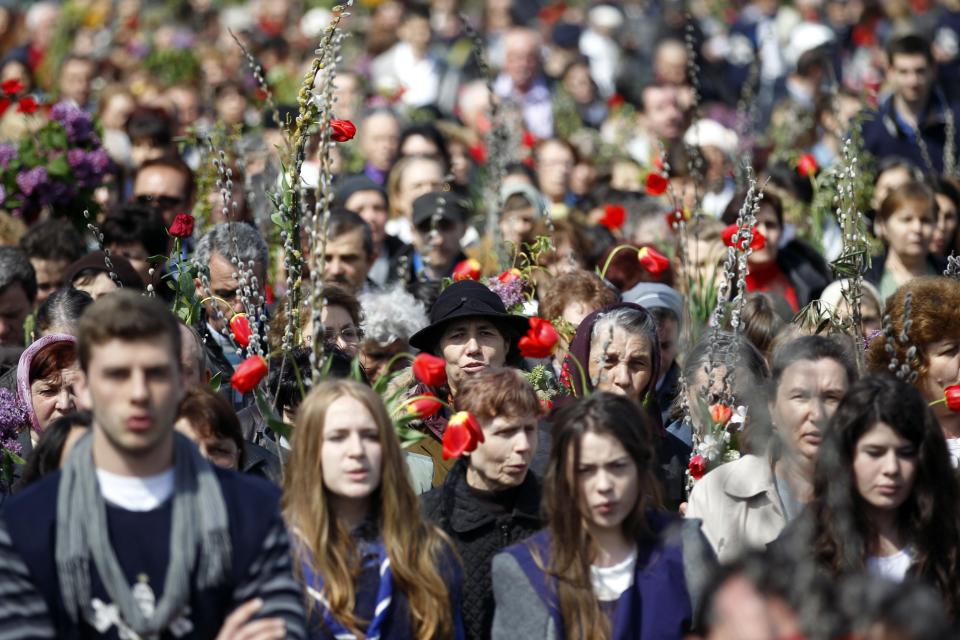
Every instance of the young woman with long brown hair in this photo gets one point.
(610, 564)
(371, 566)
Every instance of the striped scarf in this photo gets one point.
(373, 552)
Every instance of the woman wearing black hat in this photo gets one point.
(472, 331)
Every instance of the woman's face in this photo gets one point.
(621, 362)
(97, 285)
(884, 467)
(578, 84)
(769, 226)
(503, 458)
(909, 230)
(946, 229)
(351, 454)
(807, 395)
(56, 395)
(469, 346)
(943, 370)
(607, 481)
(222, 452)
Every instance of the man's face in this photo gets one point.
(521, 61)
(134, 389)
(346, 262)
(662, 115)
(75, 81)
(554, 166)
(910, 76)
(380, 139)
(192, 373)
(138, 256)
(415, 31)
(14, 307)
(439, 247)
(162, 188)
(224, 287)
(372, 207)
(49, 276)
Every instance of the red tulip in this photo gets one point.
(468, 269)
(614, 215)
(720, 413)
(807, 165)
(424, 407)
(462, 435)
(540, 341)
(697, 467)
(478, 153)
(342, 130)
(546, 406)
(510, 275)
(615, 101)
(4, 105)
(652, 260)
(249, 374)
(430, 370)
(675, 217)
(758, 242)
(952, 397)
(27, 105)
(240, 326)
(12, 87)
(528, 140)
(182, 226)
(656, 184)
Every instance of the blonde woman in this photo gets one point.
(371, 566)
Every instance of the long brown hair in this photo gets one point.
(572, 550)
(413, 546)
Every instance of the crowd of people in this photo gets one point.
(495, 319)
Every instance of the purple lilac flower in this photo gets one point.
(29, 181)
(7, 153)
(511, 293)
(57, 193)
(3, 194)
(12, 417)
(76, 122)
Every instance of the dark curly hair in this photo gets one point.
(928, 519)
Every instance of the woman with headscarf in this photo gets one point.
(47, 375)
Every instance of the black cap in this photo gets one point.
(446, 204)
(354, 184)
(468, 299)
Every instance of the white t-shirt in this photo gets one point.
(893, 567)
(136, 494)
(610, 582)
(953, 448)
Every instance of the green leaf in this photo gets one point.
(59, 167)
(216, 381)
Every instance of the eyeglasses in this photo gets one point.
(160, 202)
(443, 225)
(350, 335)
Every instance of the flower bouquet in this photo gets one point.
(56, 161)
(717, 443)
(12, 418)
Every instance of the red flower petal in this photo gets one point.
(27, 104)
(424, 407)
(756, 243)
(807, 165)
(697, 467)
(240, 326)
(652, 260)
(656, 184)
(430, 370)
(342, 130)
(182, 226)
(540, 341)
(952, 396)
(614, 215)
(720, 413)
(12, 87)
(468, 269)
(249, 374)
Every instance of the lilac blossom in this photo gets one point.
(76, 122)
(511, 293)
(7, 153)
(13, 417)
(88, 167)
(31, 180)
(3, 195)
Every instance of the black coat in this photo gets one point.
(481, 524)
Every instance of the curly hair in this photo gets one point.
(577, 286)
(392, 315)
(934, 314)
(928, 519)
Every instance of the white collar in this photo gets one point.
(135, 493)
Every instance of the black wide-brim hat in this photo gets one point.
(468, 299)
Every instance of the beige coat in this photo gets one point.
(739, 505)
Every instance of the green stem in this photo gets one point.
(616, 250)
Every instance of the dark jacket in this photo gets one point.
(884, 136)
(672, 570)
(805, 269)
(481, 523)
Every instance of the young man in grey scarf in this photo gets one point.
(138, 536)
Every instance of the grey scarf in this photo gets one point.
(199, 531)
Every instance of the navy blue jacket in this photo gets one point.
(884, 136)
(261, 565)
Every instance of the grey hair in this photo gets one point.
(15, 267)
(392, 315)
(231, 240)
(630, 320)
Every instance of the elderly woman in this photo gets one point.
(47, 377)
(389, 319)
(745, 504)
(935, 332)
(471, 331)
(490, 499)
(617, 349)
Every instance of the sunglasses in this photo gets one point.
(160, 202)
(443, 225)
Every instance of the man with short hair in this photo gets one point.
(660, 119)
(75, 80)
(349, 252)
(51, 247)
(138, 535)
(916, 106)
(522, 81)
(379, 143)
(166, 186)
(439, 222)
(18, 291)
(137, 233)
